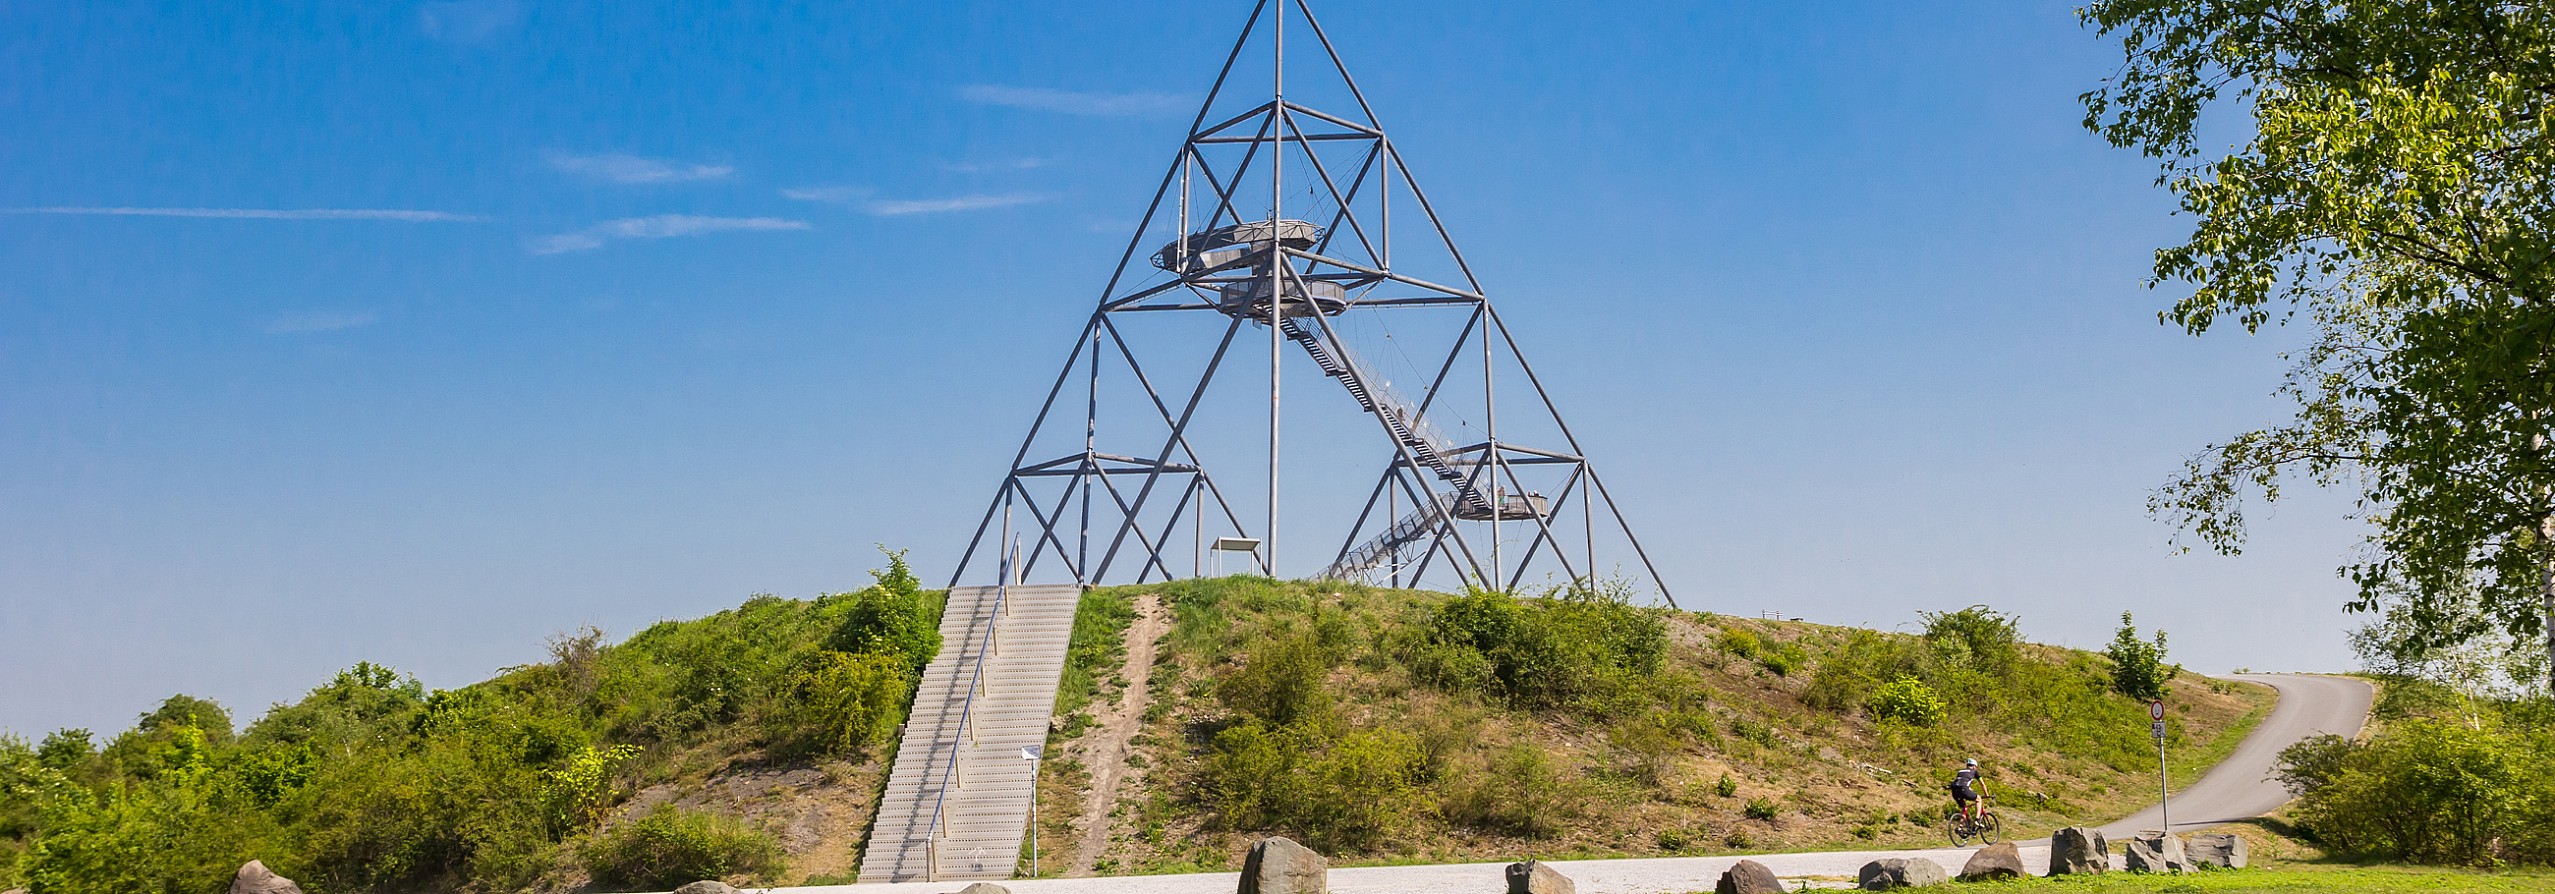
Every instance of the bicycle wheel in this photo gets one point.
(1952, 824)
(1989, 827)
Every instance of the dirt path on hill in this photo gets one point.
(1104, 748)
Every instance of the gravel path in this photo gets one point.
(2237, 789)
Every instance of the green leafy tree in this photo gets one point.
(2138, 667)
(2399, 192)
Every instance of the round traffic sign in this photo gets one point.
(2156, 710)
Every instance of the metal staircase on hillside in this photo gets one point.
(957, 801)
(1404, 421)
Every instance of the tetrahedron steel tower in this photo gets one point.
(1282, 216)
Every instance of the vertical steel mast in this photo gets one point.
(1328, 283)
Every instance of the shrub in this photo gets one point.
(1738, 643)
(2428, 792)
(1847, 676)
(1907, 700)
(1344, 794)
(1580, 648)
(1519, 792)
(843, 703)
(1280, 683)
(2138, 668)
(1782, 659)
(1727, 787)
(670, 847)
(892, 616)
(1650, 744)
(1978, 638)
(1761, 809)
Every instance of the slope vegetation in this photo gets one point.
(1389, 726)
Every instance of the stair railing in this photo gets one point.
(950, 777)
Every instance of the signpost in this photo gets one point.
(2164, 800)
(1031, 753)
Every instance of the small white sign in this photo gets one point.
(1032, 752)
(2157, 730)
(2156, 710)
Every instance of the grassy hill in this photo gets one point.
(1381, 725)
(1393, 725)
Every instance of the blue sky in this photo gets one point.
(415, 333)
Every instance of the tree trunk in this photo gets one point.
(2546, 593)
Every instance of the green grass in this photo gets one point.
(2296, 879)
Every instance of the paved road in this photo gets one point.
(2239, 788)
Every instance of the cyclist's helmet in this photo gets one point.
(1973, 762)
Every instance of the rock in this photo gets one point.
(2216, 851)
(1901, 872)
(1996, 861)
(984, 888)
(255, 878)
(1279, 866)
(1533, 877)
(1748, 877)
(2157, 852)
(2077, 850)
(706, 887)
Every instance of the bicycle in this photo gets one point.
(1986, 828)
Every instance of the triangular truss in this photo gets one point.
(1274, 211)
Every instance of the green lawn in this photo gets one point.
(2298, 879)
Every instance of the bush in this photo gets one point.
(1761, 809)
(2138, 668)
(1849, 675)
(1909, 701)
(2428, 792)
(1337, 795)
(1280, 683)
(1783, 659)
(841, 704)
(670, 847)
(1727, 787)
(1581, 648)
(891, 617)
(1519, 792)
(1738, 643)
(1978, 638)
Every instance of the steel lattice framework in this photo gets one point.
(1440, 502)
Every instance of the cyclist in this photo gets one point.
(1965, 790)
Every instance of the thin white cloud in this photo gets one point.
(620, 168)
(319, 321)
(826, 193)
(468, 21)
(1071, 102)
(988, 167)
(662, 226)
(400, 214)
(900, 207)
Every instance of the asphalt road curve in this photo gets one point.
(2241, 787)
(2238, 788)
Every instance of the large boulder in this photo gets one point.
(707, 887)
(1900, 872)
(1748, 877)
(2077, 850)
(2217, 851)
(2157, 852)
(255, 878)
(984, 888)
(1280, 866)
(1534, 877)
(1996, 861)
